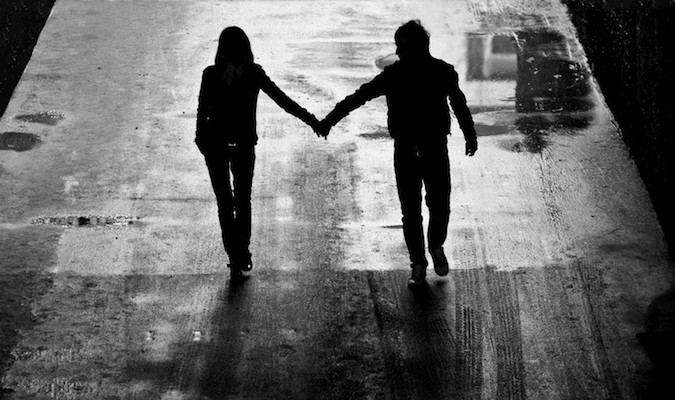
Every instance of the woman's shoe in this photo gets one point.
(235, 272)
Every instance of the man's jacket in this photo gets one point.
(228, 101)
(417, 95)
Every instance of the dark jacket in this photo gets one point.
(417, 93)
(227, 112)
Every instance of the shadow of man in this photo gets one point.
(659, 343)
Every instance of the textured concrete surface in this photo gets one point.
(629, 44)
(112, 270)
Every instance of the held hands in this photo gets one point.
(324, 129)
(321, 128)
(314, 124)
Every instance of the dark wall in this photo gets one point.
(629, 45)
(21, 22)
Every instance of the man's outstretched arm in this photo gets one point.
(366, 92)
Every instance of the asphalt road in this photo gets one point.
(112, 271)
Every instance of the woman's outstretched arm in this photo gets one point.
(285, 102)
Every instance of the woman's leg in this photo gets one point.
(219, 171)
(243, 163)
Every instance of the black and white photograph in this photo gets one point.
(337, 199)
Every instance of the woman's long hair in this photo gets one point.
(233, 47)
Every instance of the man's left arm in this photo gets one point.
(463, 114)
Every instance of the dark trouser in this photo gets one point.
(415, 164)
(233, 197)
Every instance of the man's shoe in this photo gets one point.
(418, 277)
(441, 266)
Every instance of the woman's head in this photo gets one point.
(233, 47)
(412, 40)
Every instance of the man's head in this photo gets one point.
(412, 41)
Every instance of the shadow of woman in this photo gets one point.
(231, 319)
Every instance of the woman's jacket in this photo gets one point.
(227, 105)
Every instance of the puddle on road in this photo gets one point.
(42, 77)
(506, 106)
(553, 123)
(379, 133)
(50, 117)
(399, 226)
(537, 128)
(490, 130)
(18, 141)
(115, 221)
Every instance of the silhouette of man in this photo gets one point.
(417, 88)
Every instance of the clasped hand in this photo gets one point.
(471, 147)
(321, 128)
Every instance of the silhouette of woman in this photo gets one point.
(226, 136)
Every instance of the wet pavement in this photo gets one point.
(18, 141)
(113, 275)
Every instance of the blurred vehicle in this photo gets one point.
(491, 57)
(548, 78)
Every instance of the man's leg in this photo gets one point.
(436, 173)
(438, 187)
(409, 185)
